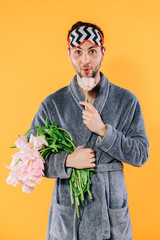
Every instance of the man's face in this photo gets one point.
(86, 59)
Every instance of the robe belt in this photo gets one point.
(100, 169)
(106, 167)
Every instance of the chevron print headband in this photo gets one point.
(82, 34)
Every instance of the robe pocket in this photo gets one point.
(120, 223)
(62, 222)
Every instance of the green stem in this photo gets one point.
(89, 193)
(71, 192)
(71, 143)
(66, 132)
(86, 98)
(79, 176)
(30, 130)
(77, 204)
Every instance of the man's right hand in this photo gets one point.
(81, 158)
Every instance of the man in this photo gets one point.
(110, 131)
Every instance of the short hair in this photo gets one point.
(79, 24)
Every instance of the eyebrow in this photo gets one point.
(88, 48)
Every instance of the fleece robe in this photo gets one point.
(107, 215)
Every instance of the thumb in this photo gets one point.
(80, 146)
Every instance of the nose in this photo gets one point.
(85, 58)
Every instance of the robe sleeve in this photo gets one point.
(131, 147)
(54, 165)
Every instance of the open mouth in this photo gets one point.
(86, 70)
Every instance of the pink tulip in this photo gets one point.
(26, 147)
(30, 154)
(22, 140)
(87, 83)
(38, 142)
(12, 179)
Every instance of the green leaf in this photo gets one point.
(18, 161)
(51, 133)
(40, 131)
(47, 122)
(54, 124)
(47, 155)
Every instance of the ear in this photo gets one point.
(103, 52)
(69, 54)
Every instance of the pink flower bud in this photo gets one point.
(87, 83)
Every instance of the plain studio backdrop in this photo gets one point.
(34, 63)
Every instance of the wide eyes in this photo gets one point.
(92, 51)
(79, 52)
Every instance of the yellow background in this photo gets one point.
(34, 63)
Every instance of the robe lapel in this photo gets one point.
(99, 104)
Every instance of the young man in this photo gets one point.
(110, 131)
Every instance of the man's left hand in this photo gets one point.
(93, 120)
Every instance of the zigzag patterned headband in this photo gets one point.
(82, 34)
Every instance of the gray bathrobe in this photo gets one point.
(106, 216)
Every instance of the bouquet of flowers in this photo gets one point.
(28, 163)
